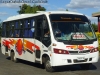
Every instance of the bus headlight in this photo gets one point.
(60, 51)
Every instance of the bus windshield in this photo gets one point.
(71, 27)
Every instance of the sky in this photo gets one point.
(86, 7)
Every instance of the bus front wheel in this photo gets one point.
(48, 66)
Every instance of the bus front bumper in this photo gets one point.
(65, 59)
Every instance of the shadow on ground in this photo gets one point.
(57, 69)
(74, 68)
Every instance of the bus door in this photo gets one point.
(38, 37)
(41, 41)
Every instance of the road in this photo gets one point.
(7, 67)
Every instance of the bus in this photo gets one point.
(51, 38)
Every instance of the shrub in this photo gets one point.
(98, 36)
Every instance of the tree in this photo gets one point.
(0, 26)
(66, 9)
(95, 26)
(30, 9)
(22, 8)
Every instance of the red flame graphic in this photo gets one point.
(19, 46)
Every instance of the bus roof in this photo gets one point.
(21, 16)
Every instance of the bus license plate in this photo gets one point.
(80, 58)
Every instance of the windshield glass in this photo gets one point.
(71, 27)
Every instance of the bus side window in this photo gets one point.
(7, 29)
(12, 29)
(21, 26)
(38, 32)
(25, 28)
(32, 27)
(3, 30)
(16, 34)
(28, 29)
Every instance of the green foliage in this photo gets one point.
(66, 9)
(0, 27)
(30, 9)
(95, 26)
(98, 36)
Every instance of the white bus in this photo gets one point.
(52, 38)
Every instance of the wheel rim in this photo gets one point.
(48, 64)
(13, 58)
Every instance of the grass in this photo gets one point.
(98, 36)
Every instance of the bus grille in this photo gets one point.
(79, 52)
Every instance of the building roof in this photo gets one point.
(96, 14)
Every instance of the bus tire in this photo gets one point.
(85, 66)
(48, 66)
(13, 58)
